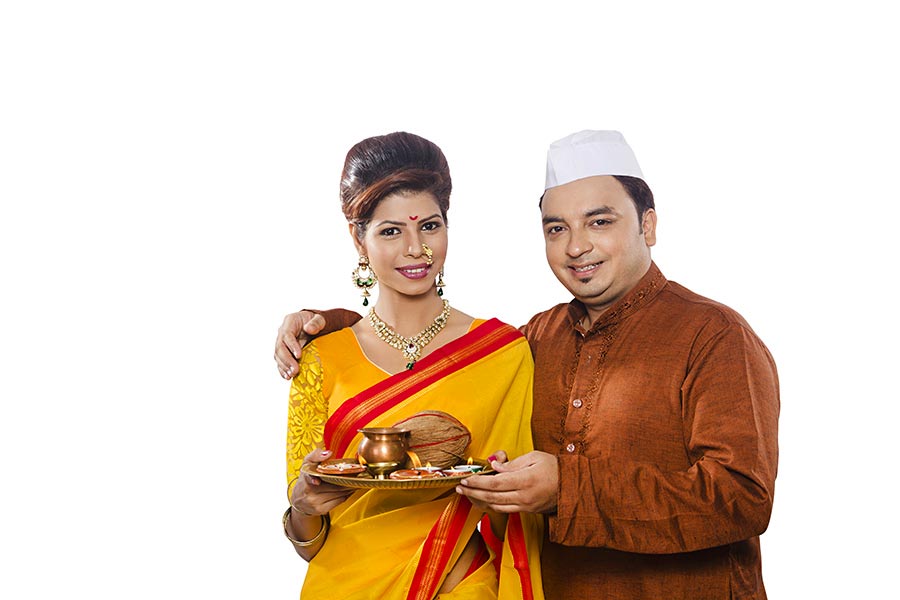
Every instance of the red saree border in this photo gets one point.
(519, 549)
(438, 549)
(492, 542)
(359, 411)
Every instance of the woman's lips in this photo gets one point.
(419, 271)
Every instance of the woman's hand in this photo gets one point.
(311, 500)
(312, 496)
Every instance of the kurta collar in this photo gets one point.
(646, 289)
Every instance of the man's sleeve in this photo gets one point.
(730, 412)
(335, 319)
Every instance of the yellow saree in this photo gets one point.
(400, 544)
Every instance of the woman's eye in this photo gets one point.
(390, 231)
(430, 226)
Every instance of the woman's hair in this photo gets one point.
(382, 165)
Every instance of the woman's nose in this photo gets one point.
(415, 246)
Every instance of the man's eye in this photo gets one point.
(554, 229)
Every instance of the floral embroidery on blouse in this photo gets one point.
(307, 411)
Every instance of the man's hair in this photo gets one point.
(639, 192)
(397, 162)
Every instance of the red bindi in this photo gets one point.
(414, 218)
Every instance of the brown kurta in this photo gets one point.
(664, 417)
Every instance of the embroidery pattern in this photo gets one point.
(307, 410)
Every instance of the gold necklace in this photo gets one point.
(410, 346)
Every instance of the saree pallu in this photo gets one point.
(401, 544)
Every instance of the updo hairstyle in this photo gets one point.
(382, 165)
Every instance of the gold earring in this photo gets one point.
(440, 282)
(364, 278)
(429, 253)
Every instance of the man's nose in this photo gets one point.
(579, 242)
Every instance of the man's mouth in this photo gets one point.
(585, 269)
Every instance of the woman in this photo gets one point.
(413, 353)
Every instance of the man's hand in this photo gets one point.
(527, 484)
(294, 333)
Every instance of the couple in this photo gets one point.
(654, 409)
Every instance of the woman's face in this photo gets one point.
(400, 225)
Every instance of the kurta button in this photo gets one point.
(570, 448)
(577, 403)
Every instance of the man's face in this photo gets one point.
(595, 244)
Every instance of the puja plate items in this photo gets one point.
(354, 475)
(425, 450)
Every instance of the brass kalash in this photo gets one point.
(383, 450)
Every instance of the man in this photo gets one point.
(655, 409)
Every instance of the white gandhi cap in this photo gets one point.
(589, 153)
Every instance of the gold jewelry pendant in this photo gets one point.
(411, 347)
(364, 278)
(440, 283)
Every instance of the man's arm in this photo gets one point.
(298, 328)
(730, 427)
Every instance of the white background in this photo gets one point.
(169, 175)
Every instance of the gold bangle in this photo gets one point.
(326, 525)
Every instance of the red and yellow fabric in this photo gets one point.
(400, 544)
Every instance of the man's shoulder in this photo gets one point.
(547, 321)
(556, 313)
(680, 300)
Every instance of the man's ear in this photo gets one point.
(648, 227)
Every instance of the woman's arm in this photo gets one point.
(306, 521)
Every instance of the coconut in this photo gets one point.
(437, 438)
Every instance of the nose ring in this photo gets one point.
(428, 254)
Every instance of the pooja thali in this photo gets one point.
(364, 480)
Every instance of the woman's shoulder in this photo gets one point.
(334, 343)
(325, 357)
(499, 332)
(473, 323)
(492, 323)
